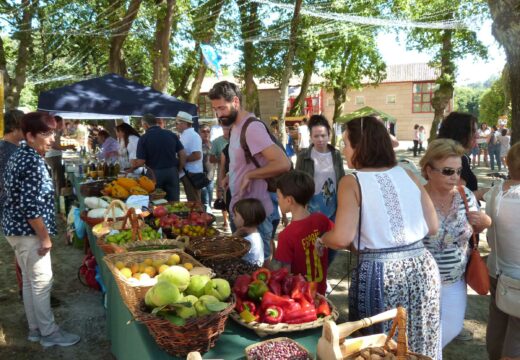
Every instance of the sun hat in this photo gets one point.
(184, 116)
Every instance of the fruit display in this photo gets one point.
(195, 224)
(180, 207)
(150, 271)
(278, 297)
(121, 188)
(231, 269)
(178, 297)
(279, 349)
(124, 236)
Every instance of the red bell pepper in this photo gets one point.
(262, 274)
(273, 314)
(248, 305)
(297, 287)
(323, 308)
(270, 299)
(256, 290)
(298, 314)
(309, 290)
(279, 274)
(238, 305)
(241, 285)
(274, 286)
(287, 285)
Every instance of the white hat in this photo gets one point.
(184, 116)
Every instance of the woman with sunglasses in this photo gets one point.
(441, 166)
(29, 222)
(385, 213)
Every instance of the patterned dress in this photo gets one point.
(394, 266)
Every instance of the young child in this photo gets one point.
(297, 244)
(248, 214)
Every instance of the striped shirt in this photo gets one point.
(450, 246)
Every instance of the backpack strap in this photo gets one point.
(243, 141)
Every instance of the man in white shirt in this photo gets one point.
(193, 147)
(53, 157)
(303, 136)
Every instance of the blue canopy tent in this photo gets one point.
(111, 97)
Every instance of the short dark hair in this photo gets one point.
(371, 143)
(318, 120)
(460, 127)
(503, 132)
(37, 122)
(58, 118)
(225, 90)
(150, 119)
(104, 134)
(12, 119)
(251, 210)
(297, 184)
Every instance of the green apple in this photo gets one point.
(162, 293)
(219, 288)
(176, 275)
(200, 305)
(196, 286)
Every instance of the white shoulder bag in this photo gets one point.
(507, 295)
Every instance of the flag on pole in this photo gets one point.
(212, 58)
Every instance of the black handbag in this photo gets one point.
(219, 204)
(198, 180)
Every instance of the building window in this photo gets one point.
(360, 100)
(390, 99)
(422, 97)
(205, 109)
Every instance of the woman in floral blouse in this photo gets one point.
(28, 224)
(441, 165)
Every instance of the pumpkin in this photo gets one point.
(146, 183)
(119, 192)
(127, 183)
(137, 190)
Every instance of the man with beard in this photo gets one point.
(246, 180)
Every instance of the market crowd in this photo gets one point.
(413, 240)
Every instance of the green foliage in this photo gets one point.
(467, 99)
(492, 103)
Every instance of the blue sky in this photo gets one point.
(470, 70)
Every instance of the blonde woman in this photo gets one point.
(441, 166)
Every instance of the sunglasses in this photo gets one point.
(447, 171)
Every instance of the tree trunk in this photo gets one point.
(249, 28)
(181, 87)
(339, 96)
(161, 52)
(506, 29)
(286, 77)
(14, 86)
(308, 69)
(443, 95)
(120, 33)
(197, 82)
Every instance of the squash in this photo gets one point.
(119, 192)
(146, 183)
(127, 183)
(137, 190)
(93, 202)
(96, 213)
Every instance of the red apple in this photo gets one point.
(160, 211)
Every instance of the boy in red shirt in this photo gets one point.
(297, 248)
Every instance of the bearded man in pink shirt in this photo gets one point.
(245, 179)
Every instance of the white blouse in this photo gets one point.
(503, 208)
(392, 213)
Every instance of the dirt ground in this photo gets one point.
(82, 311)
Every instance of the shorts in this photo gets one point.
(483, 146)
(475, 151)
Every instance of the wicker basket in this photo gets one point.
(198, 334)
(264, 329)
(88, 220)
(131, 293)
(275, 340)
(333, 344)
(154, 245)
(218, 247)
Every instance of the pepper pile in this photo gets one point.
(278, 297)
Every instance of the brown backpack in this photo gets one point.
(271, 182)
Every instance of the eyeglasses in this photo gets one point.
(447, 171)
(48, 134)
